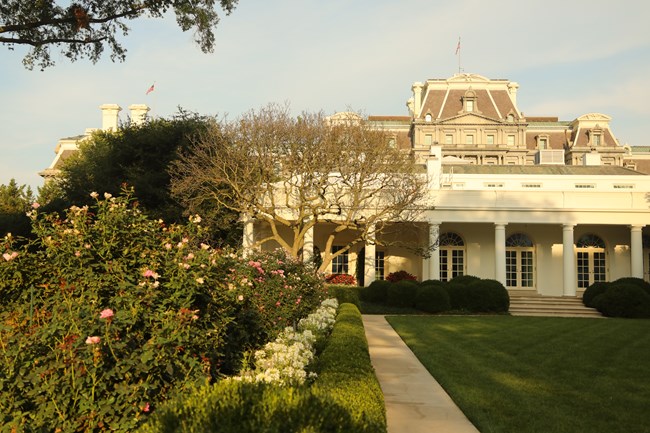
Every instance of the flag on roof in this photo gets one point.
(457, 48)
(151, 89)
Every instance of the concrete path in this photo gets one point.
(415, 402)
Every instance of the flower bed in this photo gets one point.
(345, 397)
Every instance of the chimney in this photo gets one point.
(417, 96)
(109, 116)
(138, 113)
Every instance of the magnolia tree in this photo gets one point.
(85, 27)
(296, 172)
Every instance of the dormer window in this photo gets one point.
(596, 136)
(511, 118)
(428, 117)
(469, 102)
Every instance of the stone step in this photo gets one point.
(550, 306)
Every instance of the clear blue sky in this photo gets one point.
(569, 57)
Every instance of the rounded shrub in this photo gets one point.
(640, 282)
(376, 292)
(487, 296)
(432, 298)
(591, 292)
(457, 290)
(402, 293)
(623, 300)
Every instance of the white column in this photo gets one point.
(248, 238)
(369, 272)
(569, 261)
(500, 252)
(308, 246)
(636, 251)
(138, 113)
(432, 264)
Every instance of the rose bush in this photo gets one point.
(107, 313)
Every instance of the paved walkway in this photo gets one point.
(415, 402)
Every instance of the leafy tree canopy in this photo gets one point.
(84, 28)
(15, 200)
(137, 155)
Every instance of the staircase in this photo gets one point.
(551, 306)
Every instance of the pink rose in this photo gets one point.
(93, 340)
(106, 314)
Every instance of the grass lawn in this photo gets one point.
(529, 374)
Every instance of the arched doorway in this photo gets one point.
(591, 260)
(452, 256)
(520, 262)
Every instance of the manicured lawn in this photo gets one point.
(525, 374)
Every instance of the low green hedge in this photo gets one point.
(432, 298)
(345, 397)
(402, 293)
(345, 294)
(376, 292)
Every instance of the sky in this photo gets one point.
(570, 58)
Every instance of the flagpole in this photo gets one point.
(458, 52)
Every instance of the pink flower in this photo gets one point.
(35, 205)
(9, 257)
(168, 246)
(94, 194)
(146, 407)
(93, 340)
(106, 314)
(149, 273)
(240, 297)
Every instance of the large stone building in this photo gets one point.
(545, 206)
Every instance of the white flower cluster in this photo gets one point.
(285, 360)
(321, 321)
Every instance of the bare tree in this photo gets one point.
(296, 172)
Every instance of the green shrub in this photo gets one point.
(432, 298)
(486, 296)
(238, 407)
(402, 293)
(593, 291)
(108, 313)
(345, 293)
(346, 376)
(623, 300)
(457, 290)
(640, 282)
(376, 292)
(345, 397)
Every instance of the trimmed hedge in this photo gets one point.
(345, 294)
(487, 296)
(346, 376)
(593, 291)
(402, 293)
(345, 397)
(432, 298)
(376, 292)
(623, 300)
(457, 290)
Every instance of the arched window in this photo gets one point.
(591, 259)
(452, 256)
(520, 262)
